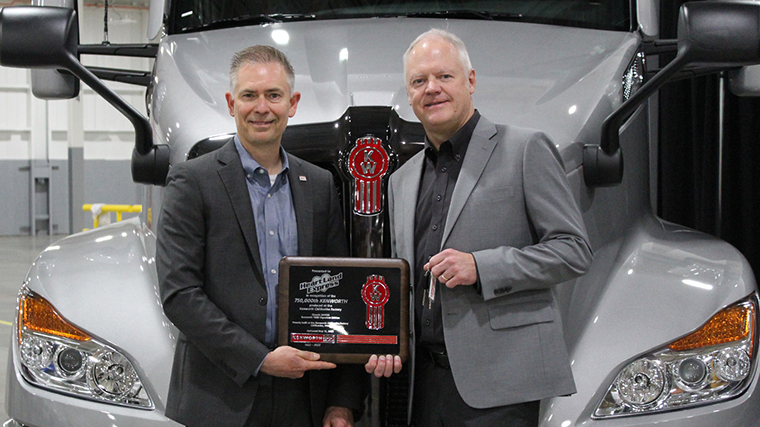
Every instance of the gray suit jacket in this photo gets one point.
(213, 290)
(513, 210)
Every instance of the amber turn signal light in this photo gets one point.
(728, 325)
(37, 314)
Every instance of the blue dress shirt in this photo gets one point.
(276, 229)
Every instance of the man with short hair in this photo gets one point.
(228, 218)
(485, 217)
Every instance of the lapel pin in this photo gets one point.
(302, 178)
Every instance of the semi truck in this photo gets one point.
(662, 329)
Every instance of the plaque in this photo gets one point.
(345, 309)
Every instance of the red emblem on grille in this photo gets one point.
(375, 294)
(368, 163)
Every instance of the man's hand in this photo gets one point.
(289, 362)
(336, 416)
(453, 268)
(383, 366)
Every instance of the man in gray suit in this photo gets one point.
(228, 218)
(485, 217)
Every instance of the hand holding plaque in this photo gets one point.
(345, 309)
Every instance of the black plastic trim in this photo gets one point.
(149, 50)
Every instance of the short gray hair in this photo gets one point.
(260, 54)
(464, 57)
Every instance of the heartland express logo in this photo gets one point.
(321, 283)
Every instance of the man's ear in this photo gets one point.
(473, 81)
(230, 103)
(294, 98)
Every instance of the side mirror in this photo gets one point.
(53, 84)
(156, 17)
(42, 48)
(745, 81)
(47, 37)
(719, 34)
(38, 37)
(710, 34)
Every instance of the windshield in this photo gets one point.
(198, 15)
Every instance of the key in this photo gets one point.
(431, 291)
(424, 294)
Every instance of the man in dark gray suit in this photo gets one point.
(485, 217)
(228, 218)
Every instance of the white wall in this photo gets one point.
(108, 134)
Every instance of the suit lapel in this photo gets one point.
(479, 150)
(302, 194)
(408, 190)
(405, 192)
(232, 175)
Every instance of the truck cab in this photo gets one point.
(663, 328)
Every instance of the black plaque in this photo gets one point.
(345, 309)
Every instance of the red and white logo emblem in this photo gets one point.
(375, 294)
(368, 163)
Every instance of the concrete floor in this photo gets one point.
(16, 255)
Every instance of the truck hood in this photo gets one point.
(556, 79)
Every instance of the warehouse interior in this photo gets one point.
(58, 156)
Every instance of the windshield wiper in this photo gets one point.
(240, 21)
(261, 19)
(467, 14)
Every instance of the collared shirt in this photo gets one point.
(275, 220)
(440, 172)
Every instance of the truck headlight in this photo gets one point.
(710, 365)
(59, 356)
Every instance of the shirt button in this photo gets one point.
(273, 271)
(435, 227)
(427, 322)
(248, 176)
(458, 156)
(438, 198)
(443, 169)
(271, 233)
(260, 171)
(269, 196)
(262, 301)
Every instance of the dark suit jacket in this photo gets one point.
(512, 208)
(213, 290)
